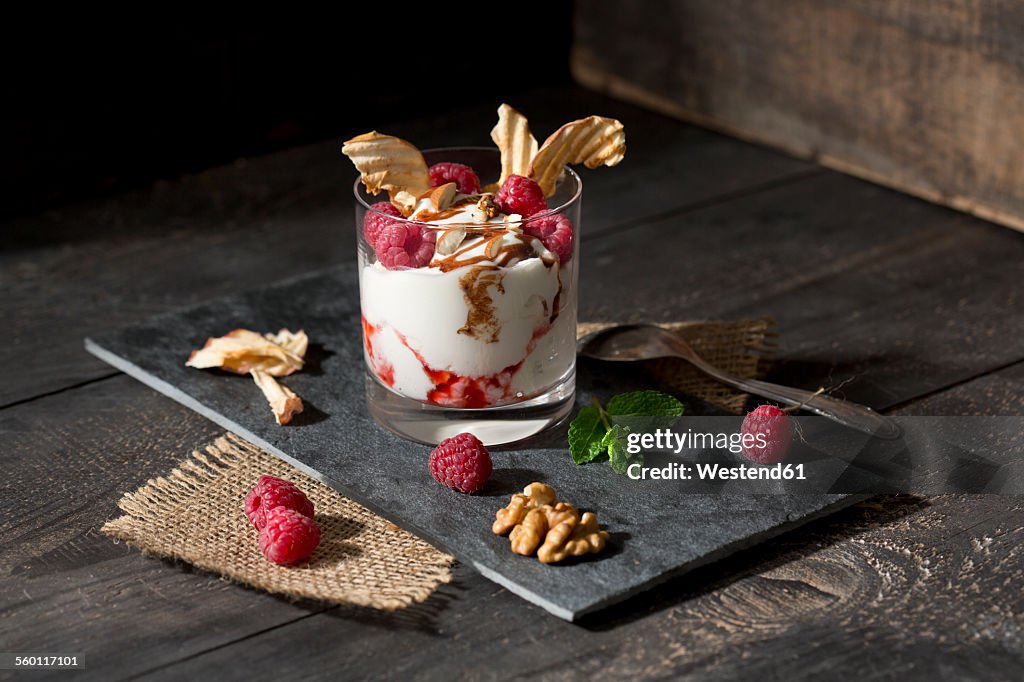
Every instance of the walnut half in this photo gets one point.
(554, 530)
(533, 496)
(527, 536)
(573, 538)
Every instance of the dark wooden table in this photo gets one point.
(917, 307)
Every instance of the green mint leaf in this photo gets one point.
(614, 442)
(644, 404)
(597, 431)
(585, 435)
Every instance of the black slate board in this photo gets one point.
(656, 532)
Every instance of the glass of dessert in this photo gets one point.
(468, 277)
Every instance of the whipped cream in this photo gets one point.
(464, 210)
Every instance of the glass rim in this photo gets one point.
(472, 226)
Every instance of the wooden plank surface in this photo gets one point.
(900, 587)
(924, 97)
(887, 297)
(65, 587)
(890, 588)
(878, 585)
(79, 271)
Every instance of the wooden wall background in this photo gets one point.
(926, 96)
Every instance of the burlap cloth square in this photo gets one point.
(194, 513)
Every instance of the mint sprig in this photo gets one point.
(585, 434)
(595, 433)
(615, 443)
(644, 404)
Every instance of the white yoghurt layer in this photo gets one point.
(419, 322)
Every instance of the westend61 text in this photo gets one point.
(677, 471)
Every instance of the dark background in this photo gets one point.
(94, 107)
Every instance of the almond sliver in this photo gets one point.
(404, 201)
(450, 240)
(593, 141)
(443, 196)
(517, 145)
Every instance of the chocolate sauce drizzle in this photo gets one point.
(486, 272)
(481, 322)
(433, 216)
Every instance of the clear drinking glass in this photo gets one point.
(474, 345)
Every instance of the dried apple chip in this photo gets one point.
(517, 145)
(593, 141)
(295, 343)
(243, 350)
(388, 163)
(263, 356)
(282, 399)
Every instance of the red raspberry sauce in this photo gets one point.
(384, 370)
(451, 389)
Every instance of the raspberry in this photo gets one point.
(289, 537)
(462, 175)
(374, 222)
(405, 245)
(270, 492)
(520, 195)
(555, 232)
(771, 425)
(461, 462)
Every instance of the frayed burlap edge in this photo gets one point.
(195, 514)
(740, 347)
